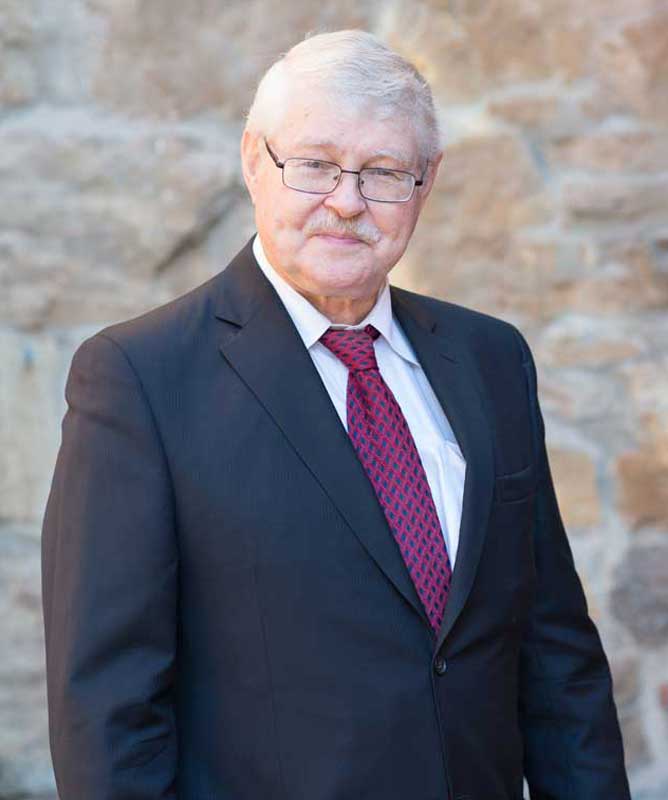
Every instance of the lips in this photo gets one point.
(343, 239)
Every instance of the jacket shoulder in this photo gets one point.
(484, 335)
(168, 322)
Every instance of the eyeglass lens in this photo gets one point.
(321, 177)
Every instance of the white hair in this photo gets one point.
(356, 68)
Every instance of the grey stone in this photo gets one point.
(639, 598)
(25, 764)
(92, 220)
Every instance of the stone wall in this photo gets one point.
(120, 188)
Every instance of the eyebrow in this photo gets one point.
(330, 144)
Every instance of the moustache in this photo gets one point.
(366, 233)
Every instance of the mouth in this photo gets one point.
(339, 239)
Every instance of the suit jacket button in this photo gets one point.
(440, 665)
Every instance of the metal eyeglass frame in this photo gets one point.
(280, 164)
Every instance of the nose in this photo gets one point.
(346, 199)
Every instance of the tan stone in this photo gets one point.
(581, 395)
(523, 40)
(632, 62)
(178, 58)
(642, 474)
(614, 289)
(470, 47)
(643, 485)
(588, 201)
(585, 276)
(488, 186)
(529, 110)
(581, 341)
(438, 44)
(90, 219)
(510, 40)
(574, 474)
(636, 150)
(569, 38)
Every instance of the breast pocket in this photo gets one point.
(515, 486)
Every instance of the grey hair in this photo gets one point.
(355, 67)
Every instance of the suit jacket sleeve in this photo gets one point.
(109, 575)
(572, 740)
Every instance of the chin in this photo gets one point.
(348, 285)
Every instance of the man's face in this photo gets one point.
(336, 244)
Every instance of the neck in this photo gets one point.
(342, 310)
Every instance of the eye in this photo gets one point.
(388, 174)
(317, 165)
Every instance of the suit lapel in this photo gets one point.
(456, 383)
(261, 343)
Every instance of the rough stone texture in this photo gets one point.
(106, 211)
(627, 200)
(634, 64)
(574, 474)
(615, 149)
(578, 340)
(23, 766)
(643, 478)
(644, 612)
(120, 188)
(642, 473)
(234, 42)
(19, 42)
(33, 368)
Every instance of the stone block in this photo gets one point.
(582, 395)
(25, 765)
(581, 341)
(615, 201)
(632, 62)
(574, 475)
(639, 597)
(535, 109)
(642, 476)
(625, 678)
(33, 369)
(95, 218)
(19, 43)
(186, 57)
(637, 751)
(613, 150)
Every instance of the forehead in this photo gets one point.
(329, 125)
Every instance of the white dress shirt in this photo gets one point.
(434, 438)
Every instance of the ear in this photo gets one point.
(250, 160)
(429, 178)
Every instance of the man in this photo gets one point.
(302, 540)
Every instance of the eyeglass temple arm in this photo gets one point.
(421, 181)
(273, 155)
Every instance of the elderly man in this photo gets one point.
(302, 540)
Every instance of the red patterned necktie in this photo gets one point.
(385, 447)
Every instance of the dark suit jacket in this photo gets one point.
(228, 616)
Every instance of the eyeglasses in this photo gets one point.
(321, 177)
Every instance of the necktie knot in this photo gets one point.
(353, 346)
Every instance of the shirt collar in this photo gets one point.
(311, 323)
